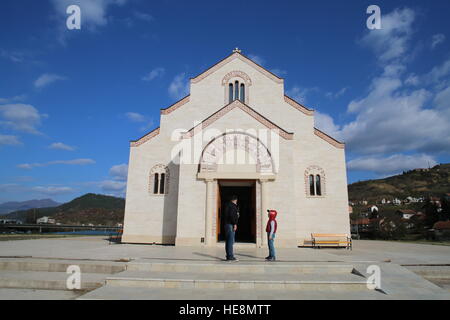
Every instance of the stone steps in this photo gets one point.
(138, 293)
(48, 280)
(248, 280)
(50, 274)
(54, 265)
(242, 267)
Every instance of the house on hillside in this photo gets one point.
(45, 220)
(406, 214)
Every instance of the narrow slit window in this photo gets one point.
(318, 186)
(161, 185)
(230, 93)
(311, 185)
(236, 90)
(242, 95)
(155, 183)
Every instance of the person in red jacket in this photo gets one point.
(271, 230)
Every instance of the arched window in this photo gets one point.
(161, 183)
(159, 180)
(242, 95)
(236, 90)
(315, 181)
(318, 186)
(155, 183)
(311, 185)
(230, 93)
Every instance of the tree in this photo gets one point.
(431, 213)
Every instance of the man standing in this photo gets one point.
(231, 217)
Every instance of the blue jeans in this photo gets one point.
(229, 240)
(271, 246)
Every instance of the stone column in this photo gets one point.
(209, 212)
(263, 212)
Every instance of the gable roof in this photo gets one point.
(145, 138)
(329, 139)
(238, 104)
(240, 56)
(176, 105)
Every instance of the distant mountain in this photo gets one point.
(415, 183)
(11, 206)
(89, 208)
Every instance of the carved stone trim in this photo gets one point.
(314, 170)
(175, 106)
(145, 138)
(159, 168)
(214, 152)
(236, 74)
(329, 139)
(298, 106)
(238, 104)
(236, 55)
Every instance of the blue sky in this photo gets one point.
(70, 100)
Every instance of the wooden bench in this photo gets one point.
(116, 237)
(331, 240)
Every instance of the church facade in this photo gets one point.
(236, 133)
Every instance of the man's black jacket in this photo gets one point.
(230, 213)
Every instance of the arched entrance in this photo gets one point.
(236, 163)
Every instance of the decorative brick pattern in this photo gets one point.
(175, 106)
(145, 138)
(238, 104)
(329, 139)
(315, 170)
(215, 151)
(236, 55)
(236, 74)
(298, 106)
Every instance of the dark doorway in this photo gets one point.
(246, 192)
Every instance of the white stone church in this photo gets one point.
(236, 133)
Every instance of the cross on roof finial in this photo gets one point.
(237, 50)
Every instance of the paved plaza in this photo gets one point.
(130, 271)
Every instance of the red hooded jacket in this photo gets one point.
(272, 216)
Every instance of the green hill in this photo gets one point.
(89, 208)
(414, 183)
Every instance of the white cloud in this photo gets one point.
(391, 165)
(259, 60)
(93, 12)
(135, 117)
(155, 73)
(119, 172)
(391, 41)
(299, 93)
(179, 87)
(437, 39)
(61, 146)
(9, 140)
(325, 123)
(79, 162)
(143, 16)
(52, 190)
(336, 95)
(21, 117)
(279, 72)
(12, 99)
(438, 72)
(14, 56)
(392, 117)
(46, 79)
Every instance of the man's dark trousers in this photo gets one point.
(229, 240)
